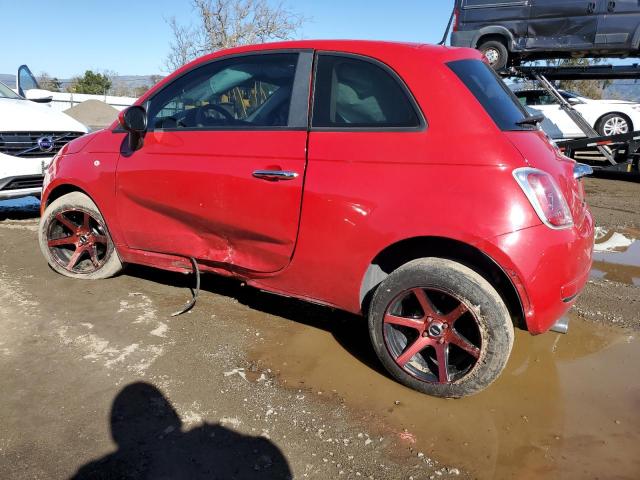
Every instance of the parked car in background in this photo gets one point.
(323, 170)
(30, 135)
(607, 117)
(27, 86)
(514, 30)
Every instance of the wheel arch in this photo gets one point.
(494, 33)
(404, 251)
(63, 189)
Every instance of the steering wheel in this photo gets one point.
(203, 117)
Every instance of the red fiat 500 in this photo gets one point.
(403, 182)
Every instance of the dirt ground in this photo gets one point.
(99, 381)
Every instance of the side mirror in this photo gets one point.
(134, 121)
(38, 96)
(573, 101)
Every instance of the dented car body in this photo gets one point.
(539, 29)
(323, 170)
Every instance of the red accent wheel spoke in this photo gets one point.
(417, 323)
(66, 222)
(442, 355)
(77, 241)
(416, 347)
(425, 303)
(423, 348)
(101, 239)
(85, 221)
(75, 257)
(455, 314)
(463, 343)
(93, 253)
(57, 242)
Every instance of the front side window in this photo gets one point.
(355, 93)
(244, 92)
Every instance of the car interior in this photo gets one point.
(254, 93)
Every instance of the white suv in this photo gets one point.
(30, 135)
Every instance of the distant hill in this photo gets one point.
(624, 90)
(8, 80)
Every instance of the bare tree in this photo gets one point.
(589, 88)
(230, 23)
(47, 82)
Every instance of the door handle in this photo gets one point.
(611, 6)
(275, 174)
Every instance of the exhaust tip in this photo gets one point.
(561, 326)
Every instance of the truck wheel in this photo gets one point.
(75, 241)
(614, 124)
(496, 53)
(440, 328)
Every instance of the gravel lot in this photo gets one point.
(98, 381)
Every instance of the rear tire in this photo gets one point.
(75, 240)
(496, 53)
(614, 124)
(440, 328)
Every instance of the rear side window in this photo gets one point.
(496, 98)
(355, 93)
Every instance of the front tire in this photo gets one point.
(440, 328)
(75, 240)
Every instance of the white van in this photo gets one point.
(30, 135)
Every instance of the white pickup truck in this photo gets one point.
(30, 135)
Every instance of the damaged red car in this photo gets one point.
(402, 182)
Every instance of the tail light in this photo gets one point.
(545, 197)
(456, 20)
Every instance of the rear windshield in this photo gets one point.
(496, 98)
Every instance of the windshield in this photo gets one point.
(567, 94)
(496, 98)
(6, 92)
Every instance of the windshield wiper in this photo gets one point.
(531, 120)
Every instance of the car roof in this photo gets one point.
(384, 51)
(326, 44)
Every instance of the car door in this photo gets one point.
(618, 23)
(562, 24)
(220, 174)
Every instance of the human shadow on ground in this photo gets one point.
(153, 445)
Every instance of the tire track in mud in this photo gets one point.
(87, 340)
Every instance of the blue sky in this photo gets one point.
(131, 37)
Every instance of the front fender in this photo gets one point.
(91, 170)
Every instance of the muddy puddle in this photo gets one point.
(617, 256)
(565, 407)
